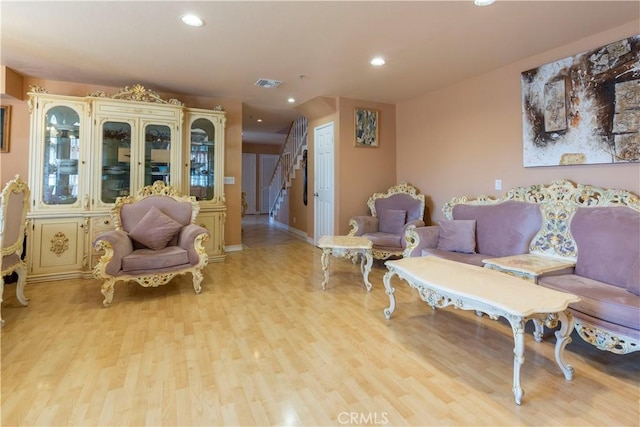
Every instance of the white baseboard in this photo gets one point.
(233, 248)
(298, 233)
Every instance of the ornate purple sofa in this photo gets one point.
(391, 213)
(598, 229)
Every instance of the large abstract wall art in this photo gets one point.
(584, 109)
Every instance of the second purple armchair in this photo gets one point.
(391, 213)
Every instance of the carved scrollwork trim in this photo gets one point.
(37, 89)
(606, 340)
(158, 188)
(402, 188)
(98, 94)
(383, 254)
(137, 92)
(99, 271)
(18, 187)
(353, 225)
(59, 243)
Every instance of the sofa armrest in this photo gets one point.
(363, 224)
(416, 223)
(116, 244)
(190, 239)
(419, 238)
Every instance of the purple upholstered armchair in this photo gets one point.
(391, 213)
(155, 239)
(14, 204)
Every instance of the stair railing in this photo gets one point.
(291, 150)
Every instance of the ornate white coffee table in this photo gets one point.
(442, 283)
(352, 247)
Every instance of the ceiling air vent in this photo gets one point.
(268, 83)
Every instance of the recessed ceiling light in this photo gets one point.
(291, 100)
(259, 120)
(483, 2)
(192, 20)
(377, 61)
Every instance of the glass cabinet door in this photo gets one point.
(61, 156)
(201, 175)
(157, 154)
(116, 161)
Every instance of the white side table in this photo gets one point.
(346, 247)
(530, 266)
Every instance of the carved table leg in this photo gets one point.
(324, 260)
(365, 266)
(538, 333)
(563, 337)
(517, 324)
(389, 291)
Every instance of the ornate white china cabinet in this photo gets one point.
(87, 151)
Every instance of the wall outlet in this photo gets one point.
(294, 219)
(498, 184)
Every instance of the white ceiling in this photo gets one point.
(427, 45)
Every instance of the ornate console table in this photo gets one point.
(443, 283)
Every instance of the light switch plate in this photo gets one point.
(229, 179)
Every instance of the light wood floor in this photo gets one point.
(264, 345)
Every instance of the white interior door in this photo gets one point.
(249, 181)
(323, 181)
(267, 166)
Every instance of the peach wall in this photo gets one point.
(17, 160)
(360, 172)
(458, 140)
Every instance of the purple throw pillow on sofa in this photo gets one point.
(391, 221)
(457, 236)
(155, 230)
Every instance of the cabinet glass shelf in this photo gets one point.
(116, 161)
(202, 155)
(61, 154)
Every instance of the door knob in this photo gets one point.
(315, 194)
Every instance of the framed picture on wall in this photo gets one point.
(5, 115)
(366, 127)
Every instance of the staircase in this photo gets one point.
(289, 161)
